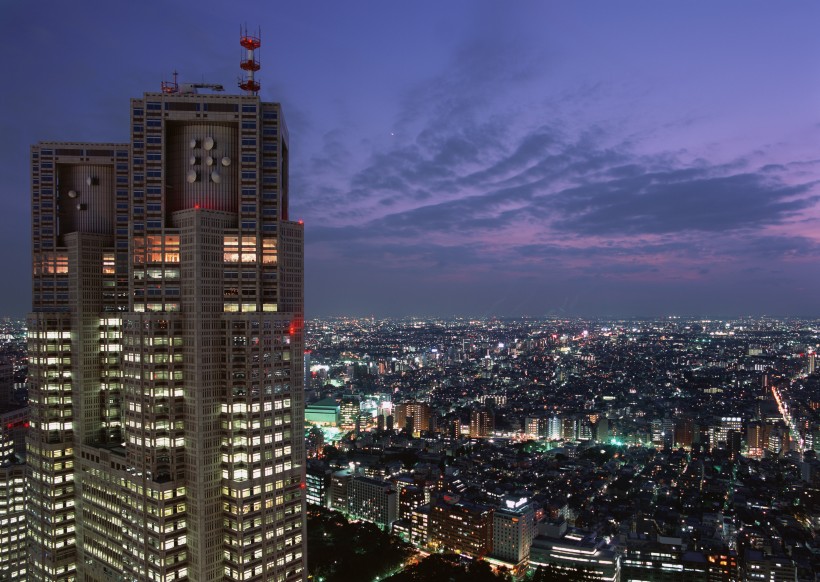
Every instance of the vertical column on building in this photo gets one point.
(201, 251)
(154, 528)
(291, 291)
(50, 449)
(262, 472)
(85, 267)
(50, 443)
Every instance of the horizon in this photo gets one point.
(473, 159)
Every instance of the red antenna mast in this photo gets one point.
(249, 62)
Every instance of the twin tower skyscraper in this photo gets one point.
(166, 349)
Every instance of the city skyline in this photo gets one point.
(474, 159)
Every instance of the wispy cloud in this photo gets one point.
(470, 198)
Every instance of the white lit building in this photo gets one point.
(513, 527)
(570, 550)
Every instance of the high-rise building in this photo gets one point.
(12, 522)
(349, 412)
(684, 432)
(569, 428)
(416, 414)
(513, 530)
(339, 489)
(165, 348)
(14, 422)
(373, 500)
(555, 428)
(482, 423)
(318, 476)
(461, 526)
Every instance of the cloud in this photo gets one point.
(490, 183)
(679, 200)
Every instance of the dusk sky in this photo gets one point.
(477, 157)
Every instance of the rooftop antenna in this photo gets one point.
(174, 88)
(249, 62)
(171, 86)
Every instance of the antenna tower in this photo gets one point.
(249, 62)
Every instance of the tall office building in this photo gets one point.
(166, 348)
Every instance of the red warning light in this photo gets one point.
(302, 486)
(301, 222)
(295, 326)
(197, 206)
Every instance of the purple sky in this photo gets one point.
(478, 158)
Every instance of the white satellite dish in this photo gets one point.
(209, 160)
(191, 177)
(193, 143)
(193, 160)
(209, 143)
(72, 193)
(226, 161)
(215, 177)
(89, 180)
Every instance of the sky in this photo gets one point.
(476, 157)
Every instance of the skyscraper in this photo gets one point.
(166, 348)
(14, 420)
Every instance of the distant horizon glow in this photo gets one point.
(478, 159)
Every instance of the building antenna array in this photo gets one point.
(173, 87)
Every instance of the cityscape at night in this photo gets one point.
(410, 292)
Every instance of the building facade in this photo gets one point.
(461, 527)
(373, 500)
(166, 349)
(513, 530)
(14, 422)
(414, 416)
(482, 423)
(349, 412)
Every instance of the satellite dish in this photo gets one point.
(209, 160)
(193, 160)
(72, 193)
(191, 177)
(81, 206)
(215, 177)
(226, 161)
(193, 143)
(209, 143)
(89, 180)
